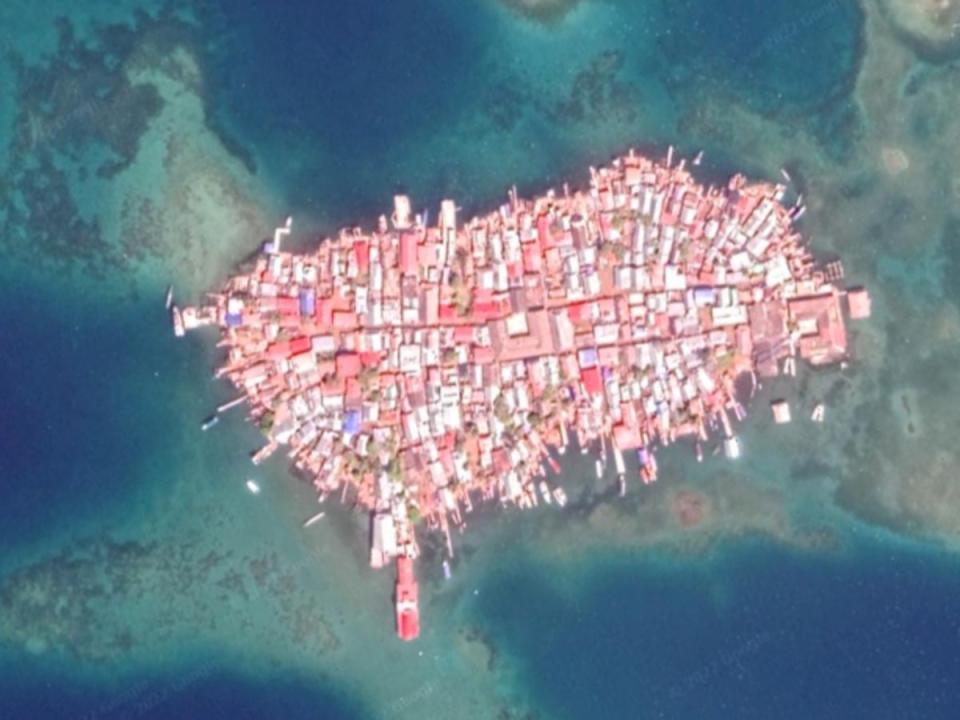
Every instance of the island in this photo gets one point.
(422, 368)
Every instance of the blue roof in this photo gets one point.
(708, 294)
(234, 319)
(308, 301)
(351, 422)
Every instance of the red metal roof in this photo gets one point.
(408, 253)
(278, 350)
(463, 334)
(361, 249)
(299, 345)
(288, 305)
(543, 232)
(483, 355)
(348, 365)
(370, 358)
(592, 380)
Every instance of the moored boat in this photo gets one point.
(818, 413)
(253, 487)
(408, 607)
(210, 422)
(177, 317)
(560, 496)
(545, 491)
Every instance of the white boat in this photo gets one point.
(560, 496)
(622, 484)
(618, 461)
(731, 448)
(169, 300)
(545, 491)
(210, 422)
(446, 570)
(253, 487)
(599, 469)
(177, 317)
(818, 413)
(312, 520)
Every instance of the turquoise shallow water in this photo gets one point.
(140, 579)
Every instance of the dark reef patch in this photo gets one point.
(771, 59)
(78, 111)
(597, 94)
(542, 11)
(68, 602)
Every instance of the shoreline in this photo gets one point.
(416, 365)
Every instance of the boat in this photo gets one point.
(177, 317)
(407, 603)
(699, 448)
(618, 461)
(263, 453)
(169, 299)
(790, 367)
(622, 484)
(731, 448)
(446, 570)
(648, 466)
(311, 521)
(545, 491)
(560, 496)
(554, 465)
(599, 469)
(818, 413)
(699, 158)
(210, 422)
(253, 487)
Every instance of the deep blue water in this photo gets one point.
(78, 423)
(196, 691)
(331, 103)
(755, 632)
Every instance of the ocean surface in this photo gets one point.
(146, 142)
